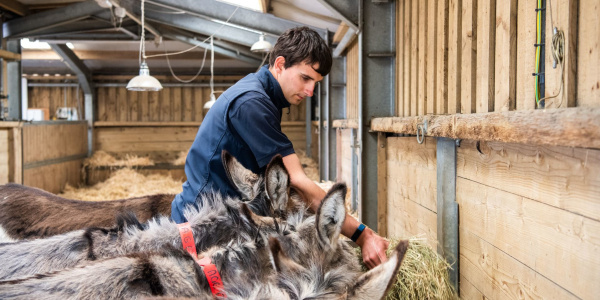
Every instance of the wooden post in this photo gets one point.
(454, 49)
(526, 59)
(468, 56)
(588, 58)
(15, 159)
(486, 44)
(506, 48)
(381, 184)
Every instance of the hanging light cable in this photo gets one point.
(143, 82)
(212, 101)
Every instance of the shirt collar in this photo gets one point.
(272, 87)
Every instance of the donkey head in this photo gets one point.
(266, 196)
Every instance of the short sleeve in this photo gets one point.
(259, 126)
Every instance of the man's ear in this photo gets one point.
(279, 64)
(241, 178)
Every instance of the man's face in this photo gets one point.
(298, 81)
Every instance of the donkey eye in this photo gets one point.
(286, 232)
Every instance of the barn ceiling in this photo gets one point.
(109, 44)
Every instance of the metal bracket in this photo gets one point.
(422, 129)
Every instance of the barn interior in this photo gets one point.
(472, 124)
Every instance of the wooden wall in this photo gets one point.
(529, 215)
(344, 156)
(53, 154)
(467, 56)
(352, 81)
(529, 220)
(4, 155)
(51, 97)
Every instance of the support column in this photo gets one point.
(337, 88)
(378, 44)
(14, 74)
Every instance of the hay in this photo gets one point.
(311, 168)
(180, 160)
(101, 158)
(423, 274)
(125, 183)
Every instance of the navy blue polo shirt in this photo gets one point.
(246, 121)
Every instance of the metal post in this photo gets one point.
(447, 208)
(377, 48)
(337, 109)
(308, 104)
(14, 73)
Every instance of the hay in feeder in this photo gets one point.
(125, 183)
(423, 274)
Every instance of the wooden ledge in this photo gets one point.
(171, 124)
(345, 123)
(10, 124)
(572, 127)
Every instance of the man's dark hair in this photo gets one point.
(302, 44)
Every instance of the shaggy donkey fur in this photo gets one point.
(314, 272)
(27, 212)
(216, 221)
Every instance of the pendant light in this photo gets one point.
(143, 82)
(261, 46)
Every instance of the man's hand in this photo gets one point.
(373, 248)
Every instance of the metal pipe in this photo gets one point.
(50, 84)
(360, 111)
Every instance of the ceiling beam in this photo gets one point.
(30, 24)
(76, 65)
(15, 7)
(217, 10)
(220, 50)
(346, 10)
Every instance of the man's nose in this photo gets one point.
(310, 90)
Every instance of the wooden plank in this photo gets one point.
(177, 103)
(143, 104)
(430, 62)
(526, 38)
(563, 177)
(407, 56)
(51, 141)
(347, 123)
(454, 55)
(422, 63)
(340, 32)
(145, 124)
(153, 106)
(468, 291)
(545, 249)
(506, 50)
(381, 184)
(408, 219)
(414, 58)
(15, 160)
(111, 104)
(205, 98)
(4, 155)
(411, 168)
(345, 156)
(187, 104)
(441, 84)
(197, 113)
(573, 127)
(588, 54)
(101, 104)
(399, 107)
(9, 56)
(164, 99)
(53, 178)
(468, 60)
(486, 43)
(134, 105)
(352, 81)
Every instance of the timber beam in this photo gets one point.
(571, 127)
(9, 56)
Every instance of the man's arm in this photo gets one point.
(373, 246)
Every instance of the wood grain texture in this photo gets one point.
(506, 58)
(382, 184)
(441, 84)
(486, 44)
(431, 59)
(562, 177)
(526, 247)
(422, 59)
(468, 56)
(526, 59)
(400, 41)
(454, 55)
(588, 54)
(4, 155)
(407, 58)
(414, 58)
(574, 127)
(352, 81)
(54, 177)
(52, 141)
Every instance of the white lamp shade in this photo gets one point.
(144, 82)
(210, 103)
(261, 46)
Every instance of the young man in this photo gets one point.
(246, 121)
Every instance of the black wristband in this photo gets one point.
(358, 232)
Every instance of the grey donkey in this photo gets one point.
(217, 220)
(324, 268)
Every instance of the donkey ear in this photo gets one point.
(241, 178)
(281, 262)
(376, 283)
(331, 215)
(277, 183)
